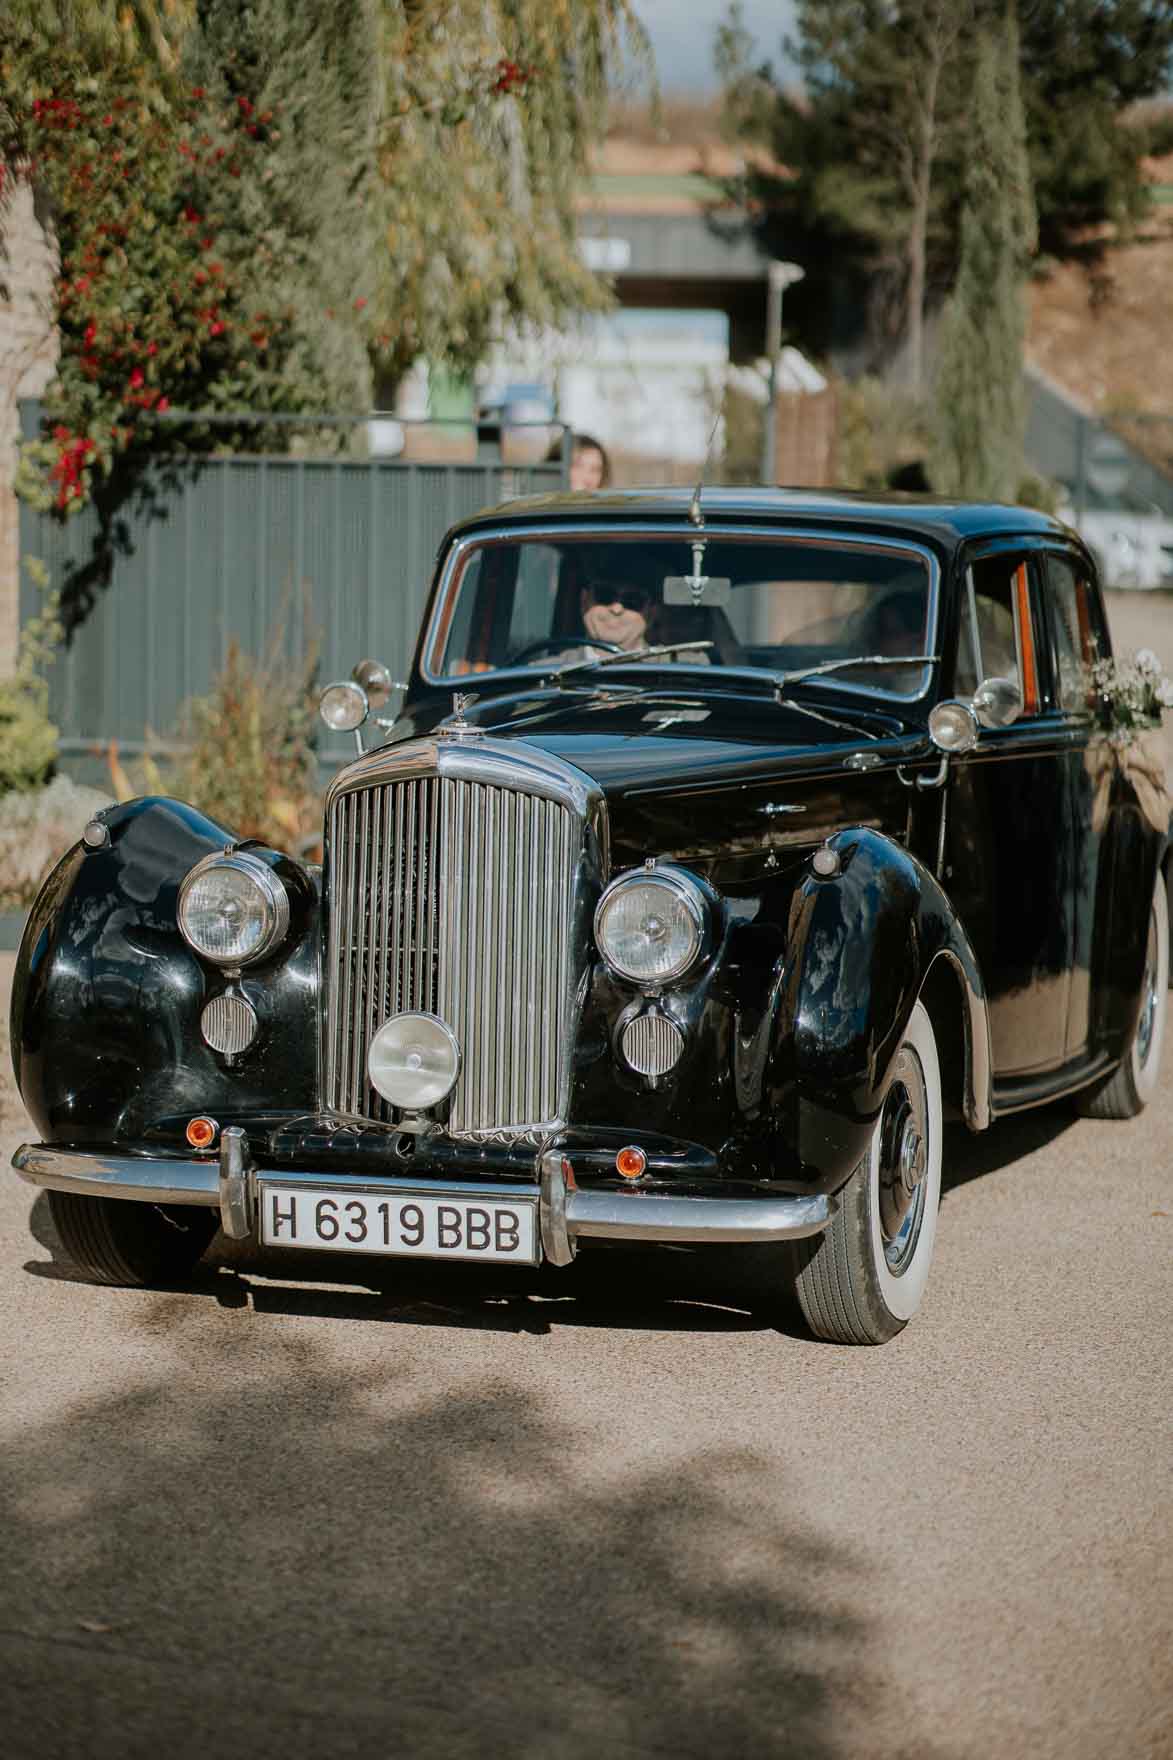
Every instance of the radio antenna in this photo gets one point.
(695, 516)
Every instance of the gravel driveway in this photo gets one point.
(602, 1513)
(605, 1513)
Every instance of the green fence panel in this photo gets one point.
(332, 552)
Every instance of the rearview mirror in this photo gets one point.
(708, 590)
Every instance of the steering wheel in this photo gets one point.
(550, 644)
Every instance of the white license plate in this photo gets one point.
(413, 1224)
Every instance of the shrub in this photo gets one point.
(28, 739)
(36, 829)
(249, 759)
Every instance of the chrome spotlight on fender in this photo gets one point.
(344, 706)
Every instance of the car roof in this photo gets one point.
(935, 517)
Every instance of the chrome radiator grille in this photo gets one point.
(455, 898)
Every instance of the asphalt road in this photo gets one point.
(604, 1512)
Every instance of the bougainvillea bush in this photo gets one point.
(156, 301)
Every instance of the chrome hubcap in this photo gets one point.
(904, 1158)
(1148, 1013)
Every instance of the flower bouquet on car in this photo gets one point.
(1133, 694)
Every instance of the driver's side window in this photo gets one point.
(996, 638)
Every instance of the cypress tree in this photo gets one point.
(979, 403)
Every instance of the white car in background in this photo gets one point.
(1133, 549)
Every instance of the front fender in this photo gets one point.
(107, 994)
(860, 947)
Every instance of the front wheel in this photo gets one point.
(862, 1279)
(120, 1241)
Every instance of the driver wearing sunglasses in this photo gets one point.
(616, 612)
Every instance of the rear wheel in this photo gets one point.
(862, 1279)
(1129, 1090)
(120, 1241)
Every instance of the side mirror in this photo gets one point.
(997, 702)
(376, 681)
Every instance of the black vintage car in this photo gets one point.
(722, 848)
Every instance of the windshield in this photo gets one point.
(548, 601)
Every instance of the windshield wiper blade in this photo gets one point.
(784, 678)
(627, 654)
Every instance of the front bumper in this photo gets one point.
(566, 1214)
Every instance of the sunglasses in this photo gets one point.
(631, 598)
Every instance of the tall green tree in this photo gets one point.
(875, 140)
(979, 400)
(865, 134)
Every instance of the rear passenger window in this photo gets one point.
(1075, 633)
(997, 638)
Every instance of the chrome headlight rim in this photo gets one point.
(268, 884)
(353, 691)
(687, 890)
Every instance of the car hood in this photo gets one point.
(695, 757)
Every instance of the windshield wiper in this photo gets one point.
(784, 678)
(626, 654)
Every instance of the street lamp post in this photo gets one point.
(781, 276)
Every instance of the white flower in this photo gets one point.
(1165, 693)
(1147, 660)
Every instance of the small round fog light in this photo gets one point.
(414, 1061)
(630, 1162)
(825, 862)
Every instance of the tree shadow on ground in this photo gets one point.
(260, 1544)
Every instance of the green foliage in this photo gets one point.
(28, 739)
(249, 758)
(877, 141)
(1083, 63)
(980, 400)
(488, 110)
(882, 432)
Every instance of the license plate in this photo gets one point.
(412, 1224)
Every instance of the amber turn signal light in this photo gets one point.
(201, 1132)
(631, 1162)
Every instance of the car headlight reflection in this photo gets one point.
(651, 927)
(233, 909)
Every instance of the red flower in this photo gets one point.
(91, 335)
(136, 379)
(216, 329)
(359, 304)
(198, 92)
(163, 403)
(152, 348)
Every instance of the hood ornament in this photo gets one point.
(456, 726)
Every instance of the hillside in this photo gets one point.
(1100, 327)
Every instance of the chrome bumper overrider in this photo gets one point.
(566, 1215)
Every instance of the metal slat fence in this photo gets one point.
(337, 551)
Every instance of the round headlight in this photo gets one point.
(650, 927)
(233, 909)
(343, 706)
(413, 1061)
